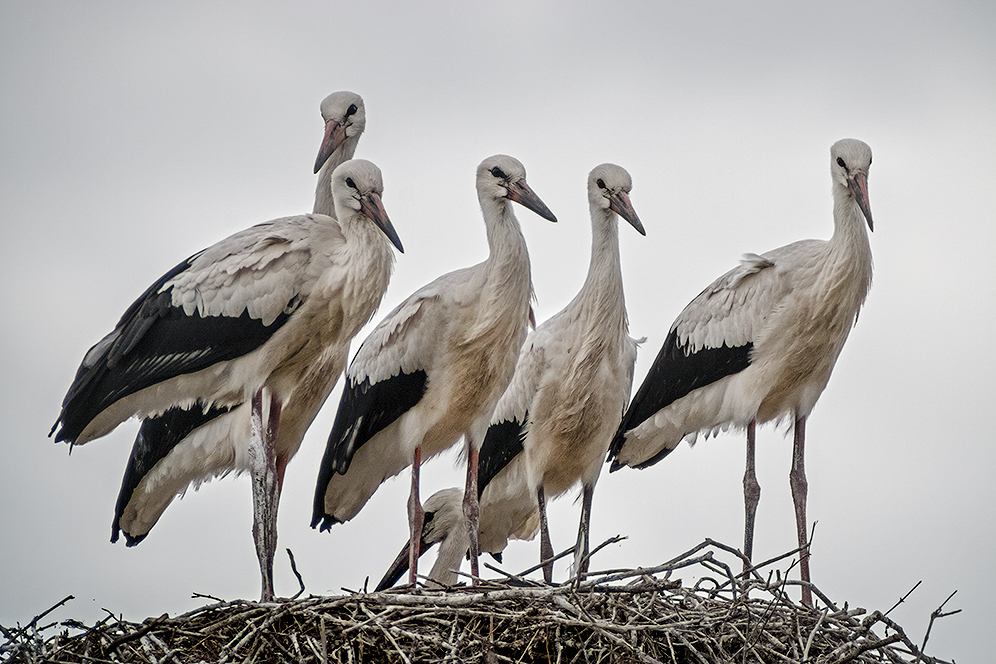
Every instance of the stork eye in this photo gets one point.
(497, 172)
(601, 183)
(840, 162)
(350, 183)
(351, 110)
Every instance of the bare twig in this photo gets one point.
(290, 554)
(934, 615)
(904, 597)
(210, 597)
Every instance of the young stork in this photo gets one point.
(759, 343)
(575, 372)
(434, 368)
(263, 318)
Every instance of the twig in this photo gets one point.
(934, 615)
(865, 647)
(142, 631)
(34, 621)
(290, 554)
(211, 597)
(812, 635)
(565, 552)
(904, 597)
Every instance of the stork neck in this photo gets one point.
(506, 244)
(850, 234)
(323, 189)
(508, 285)
(849, 248)
(602, 293)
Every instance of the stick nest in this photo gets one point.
(639, 615)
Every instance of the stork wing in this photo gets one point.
(712, 338)
(217, 305)
(507, 432)
(387, 377)
(157, 437)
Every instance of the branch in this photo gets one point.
(300, 581)
(935, 614)
(904, 597)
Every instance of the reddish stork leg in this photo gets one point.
(752, 494)
(416, 519)
(267, 477)
(546, 547)
(581, 547)
(472, 510)
(797, 480)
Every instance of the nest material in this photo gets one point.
(640, 615)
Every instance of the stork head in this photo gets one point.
(501, 177)
(608, 189)
(850, 160)
(345, 118)
(357, 187)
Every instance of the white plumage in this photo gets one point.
(268, 312)
(760, 343)
(434, 368)
(575, 371)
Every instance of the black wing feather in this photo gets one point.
(157, 438)
(675, 373)
(155, 341)
(503, 442)
(364, 410)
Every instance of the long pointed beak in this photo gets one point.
(335, 134)
(400, 565)
(859, 187)
(521, 193)
(621, 205)
(373, 208)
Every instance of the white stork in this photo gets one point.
(434, 368)
(575, 371)
(759, 343)
(213, 353)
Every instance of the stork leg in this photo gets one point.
(581, 547)
(416, 519)
(752, 494)
(267, 476)
(797, 480)
(472, 510)
(546, 547)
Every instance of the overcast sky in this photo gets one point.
(132, 136)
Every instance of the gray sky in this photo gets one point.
(133, 136)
